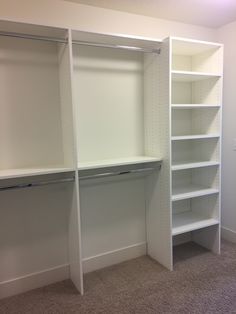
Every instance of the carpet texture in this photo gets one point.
(201, 283)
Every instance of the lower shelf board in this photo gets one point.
(190, 191)
(117, 162)
(189, 221)
(28, 172)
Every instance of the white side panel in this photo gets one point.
(157, 130)
(30, 116)
(75, 248)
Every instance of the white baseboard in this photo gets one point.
(228, 234)
(33, 281)
(114, 257)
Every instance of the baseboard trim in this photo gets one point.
(228, 234)
(114, 257)
(33, 280)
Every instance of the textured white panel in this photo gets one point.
(157, 118)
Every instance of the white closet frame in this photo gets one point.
(162, 117)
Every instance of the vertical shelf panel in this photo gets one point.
(157, 130)
(75, 247)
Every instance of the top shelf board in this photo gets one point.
(189, 47)
(33, 30)
(117, 162)
(117, 40)
(189, 76)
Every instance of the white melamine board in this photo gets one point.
(74, 243)
(189, 191)
(108, 86)
(190, 47)
(157, 109)
(31, 29)
(193, 106)
(193, 137)
(30, 113)
(189, 221)
(34, 229)
(29, 172)
(197, 164)
(112, 216)
(189, 76)
(116, 162)
(117, 39)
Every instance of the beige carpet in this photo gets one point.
(201, 283)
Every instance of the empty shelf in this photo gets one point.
(117, 162)
(189, 221)
(189, 191)
(193, 137)
(193, 164)
(189, 76)
(193, 106)
(29, 172)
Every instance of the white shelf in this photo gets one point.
(29, 172)
(193, 137)
(190, 191)
(189, 221)
(193, 106)
(193, 164)
(189, 76)
(116, 162)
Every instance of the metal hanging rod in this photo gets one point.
(85, 43)
(35, 184)
(117, 173)
(34, 37)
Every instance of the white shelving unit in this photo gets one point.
(195, 111)
(88, 112)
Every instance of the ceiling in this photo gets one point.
(209, 13)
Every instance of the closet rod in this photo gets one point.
(33, 37)
(85, 43)
(35, 184)
(111, 174)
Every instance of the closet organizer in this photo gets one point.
(110, 150)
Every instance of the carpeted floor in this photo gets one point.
(201, 283)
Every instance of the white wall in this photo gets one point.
(227, 37)
(66, 14)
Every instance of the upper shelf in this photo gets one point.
(190, 76)
(117, 162)
(117, 40)
(191, 47)
(29, 172)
